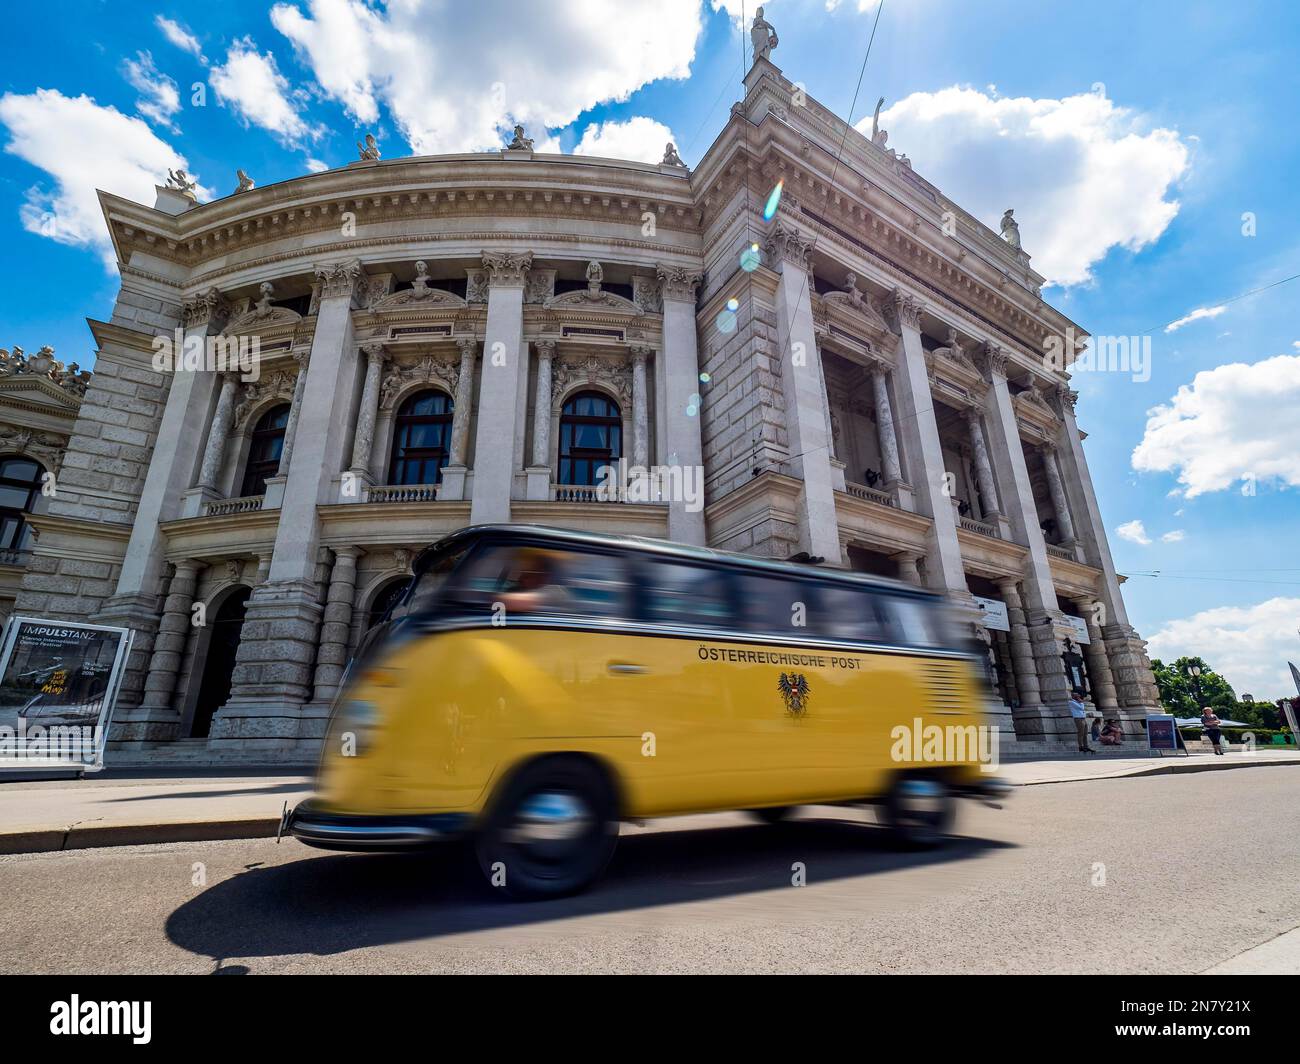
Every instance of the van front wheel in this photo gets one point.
(552, 831)
(919, 811)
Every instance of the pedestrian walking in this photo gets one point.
(1079, 711)
(1210, 724)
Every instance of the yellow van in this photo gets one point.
(533, 687)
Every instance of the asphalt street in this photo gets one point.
(1158, 874)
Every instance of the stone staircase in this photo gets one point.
(195, 753)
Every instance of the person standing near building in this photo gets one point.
(1210, 723)
(1079, 711)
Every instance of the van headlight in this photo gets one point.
(357, 724)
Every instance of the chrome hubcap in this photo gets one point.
(551, 816)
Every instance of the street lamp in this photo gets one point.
(1195, 672)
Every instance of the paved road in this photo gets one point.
(1199, 869)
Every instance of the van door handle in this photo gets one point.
(625, 668)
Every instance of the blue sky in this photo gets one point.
(1132, 139)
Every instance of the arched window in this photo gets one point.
(264, 451)
(20, 487)
(591, 436)
(384, 601)
(421, 439)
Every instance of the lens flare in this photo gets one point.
(773, 201)
(750, 258)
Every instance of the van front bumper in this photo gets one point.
(311, 824)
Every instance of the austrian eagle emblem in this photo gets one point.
(794, 690)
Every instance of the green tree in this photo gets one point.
(1179, 689)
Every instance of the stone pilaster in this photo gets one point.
(1057, 490)
(502, 390)
(889, 459)
(452, 485)
(924, 451)
(274, 669)
(156, 718)
(983, 467)
(1028, 715)
(678, 367)
(806, 419)
(295, 408)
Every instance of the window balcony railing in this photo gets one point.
(403, 493)
(1061, 552)
(581, 493)
(984, 528)
(224, 507)
(861, 491)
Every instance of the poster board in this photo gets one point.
(58, 683)
(1162, 733)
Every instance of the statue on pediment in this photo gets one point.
(246, 183)
(1010, 229)
(520, 142)
(369, 151)
(179, 181)
(762, 36)
(671, 158)
(595, 277)
(878, 136)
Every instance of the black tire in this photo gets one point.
(772, 814)
(919, 811)
(551, 830)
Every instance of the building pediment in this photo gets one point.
(584, 299)
(38, 392)
(417, 298)
(261, 320)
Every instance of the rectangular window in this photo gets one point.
(849, 613)
(519, 580)
(773, 605)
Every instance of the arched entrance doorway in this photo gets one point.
(223, 644)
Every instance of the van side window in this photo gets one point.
(915, 623)
(692, 595)
(854, 613)
(772, 604)
(505, 580)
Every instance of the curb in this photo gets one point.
(1168, 768)
(52, 839)
(47, 839)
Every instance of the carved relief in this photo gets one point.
(507, 269)
(646, 295)
(540, 286)
(431, 369)
(677, 282)
(569, 372)
(278, 385)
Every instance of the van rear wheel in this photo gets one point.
(551, 832)
(919, 811)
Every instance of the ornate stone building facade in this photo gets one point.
(462, 339)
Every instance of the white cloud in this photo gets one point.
(317, 165)
(1197, 315)
(159, 97)
(179, 36)
(1134, 532)
(83, 146)
(455, 84)
(1176, 535)
(1232, 423)
(251, 84)
(640, 139)
(1247, 645)
(1083, 175)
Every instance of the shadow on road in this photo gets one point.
(336, 902)
(281, 788)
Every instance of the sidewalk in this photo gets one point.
(130, 808)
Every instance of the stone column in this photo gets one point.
(274, 668)
(924, 451)
(169, 645)
(983, 467)
(1047, 714)
(291, 427)
(1057, 491)
(892, 467)
(215, 450)
(1094, 652)
(539, 471)
(135, 600)
(907, 567)
(678, 364)
(336, 628)
(806, 419)
(1022, 663)
(453, 473)
(364, 441)
(503, 388)
(640, 410)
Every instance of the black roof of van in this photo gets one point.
(668, 549)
